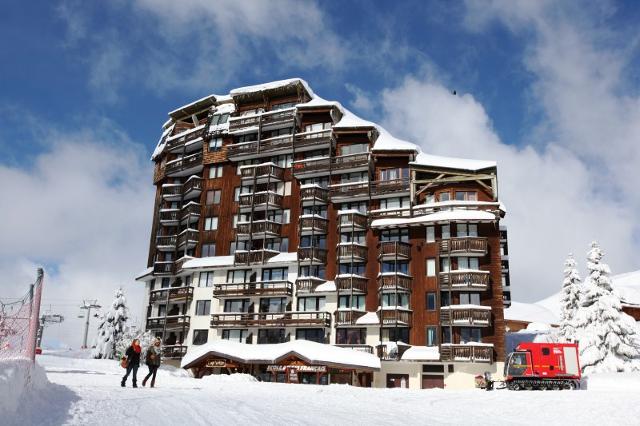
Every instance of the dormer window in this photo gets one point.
(466, 196)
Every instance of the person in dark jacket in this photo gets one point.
(132, 355)
(153, 362)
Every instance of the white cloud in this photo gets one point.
(82, 209)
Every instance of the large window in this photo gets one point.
(215, 171)
(273, 304)
(211, 223)
(203, 307)
(271, 336)
(431, 301)
(399, 267)
(394, 203)
(446, 335)
(215, 144)
(469, 334)
(241, 276)
(235, 335)
(317, 210)
(394, 174)
(219, 119)
(236, 305)
(213, 197)
(317, 241)
(431, 234)
(446, 232)
(395, 299)
(317, 271)
(361, 206)
(466, 196)
(432, 336)
(431, 267)
(353, 302)
(206, 279)
(353, 237)
(469, 298)
(200, 337)
(317, 127)
(275, 274)
(466, 230)
(356, 148)
(468, 263)
(208, 249)
(313, 334)
(395, 334)
(311, 304)
(395, 235)
(351, 336)
(352, 268)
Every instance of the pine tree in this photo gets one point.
(570, 300)
(111, 327)
(607, 335)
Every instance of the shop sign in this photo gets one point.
(293, 375)
(212, 363)
(300, 368)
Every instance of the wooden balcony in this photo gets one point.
(261, 201)
(171, 191)
(394, 250)
(185, 141)
(174, 351)
(312, 254)
(350, 162)
(270, 119)
(192, 188)
(157, 296)
(259, 228)
(348, 252)
(387, 187)
(308, 284)
(312, 224)
(395, 316)
(261, 288)
(163, 268)
(351, 283)
(243, 122)
(184, 166)
(360, 348)
(464, 280)
(350, 190)
(188, 238)
(314, 194)
(313, 140)
(180, 262)
(180, 294)
(253, 149)
(190, 212)
(262, 172)
(466, 352)
(352, 220)
(253, 256)
(391, 351)
(166, 242)
(347, 317)
(464, 245)
(319, 165)
(169, 217)
(395, 282)
(175, 322)
(272, 319)
(464, 316)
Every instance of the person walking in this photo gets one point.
(153, 362)
(132, 354)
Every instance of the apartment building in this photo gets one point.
(280, 216)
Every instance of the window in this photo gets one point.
(203, 307)
(394, 203)
(432, 336)
(306, 304)
(354, 148)
(396, 334)
(286, 214)
(546, 351)
(162, 310)
(430, 198)
(468, 263)
(466, 196)
(273, 304)
(213, 197)
(431, 234)
(208, 249)
(166, 281)
(285, 105)
(219, 119)
(354, 177)
(215, 171)
(469, 298)
(395, 299)
(446, 335)
(446, 232)
(235, 335)
(396, 267)
(466, 230)
(200, 337)
(352, 268)
(313, 334)
(351, 336)
(211, 223)
(431, 267)
(444, 264)
(444, 299)
(431, 301)
(317, 271)
(248, 137)
(353, 237)
(317, 127)
(468, 334)
(275, 274)
(241, 276)
(215, 144)
(444, 196)
(351, 302)
(236, 305)
(271, 336)
(395, 235)
(394, 174)
(206, 279)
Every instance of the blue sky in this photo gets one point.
(548, 89)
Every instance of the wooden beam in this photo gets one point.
(453, 179)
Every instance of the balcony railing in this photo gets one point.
(174, 351)
(391, 351)
(183, 164)
(190, 209)
(314, 223)
(395, 316)
(359, 348)
(261, 199)
(172, 192)
(352, 220)
(253, 256)
(272, 118)
(314, 193)
(192, 187)
(163, 268)
(347, 317)
(356, 189)
(393, 186)
(176, 143)
(156, 296)
(315, 254)
(188, 237)
(463, 315)
(312, 165)
(349, 283)
(264, 146)
(394, 249)
(180, 262)
(259, 227)
(262, 288)
(308, 284)
(176, 321)
(313, 139)
(350, 161)
(272, 319)
(388, 282)
(476, 245)
(180, 294)
(166, 242)
(464, 280)
(169, 216)
(262, 172)
(352, 251)
(466, 352)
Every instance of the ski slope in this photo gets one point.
(87, 391)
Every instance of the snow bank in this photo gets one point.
(19, 378)
(229, 378)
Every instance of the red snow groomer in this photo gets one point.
(543, 366)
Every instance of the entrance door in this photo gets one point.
(430, 382)
(397, 380)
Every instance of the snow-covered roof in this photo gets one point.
(191, 107)
(224, 261)
(326, 286)
(423, 159)
(147, 272)
(442, 216)
(318, 102)
(271, 86)
(311, 352)
(421, 353)
(387, 142)
(370, 318)
(351, 121)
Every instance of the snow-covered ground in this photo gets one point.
(87, 391)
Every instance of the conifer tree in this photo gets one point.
(111, 327)
(570, 300)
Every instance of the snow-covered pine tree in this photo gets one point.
(569, 300)
(606, 334)
(111, 327)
